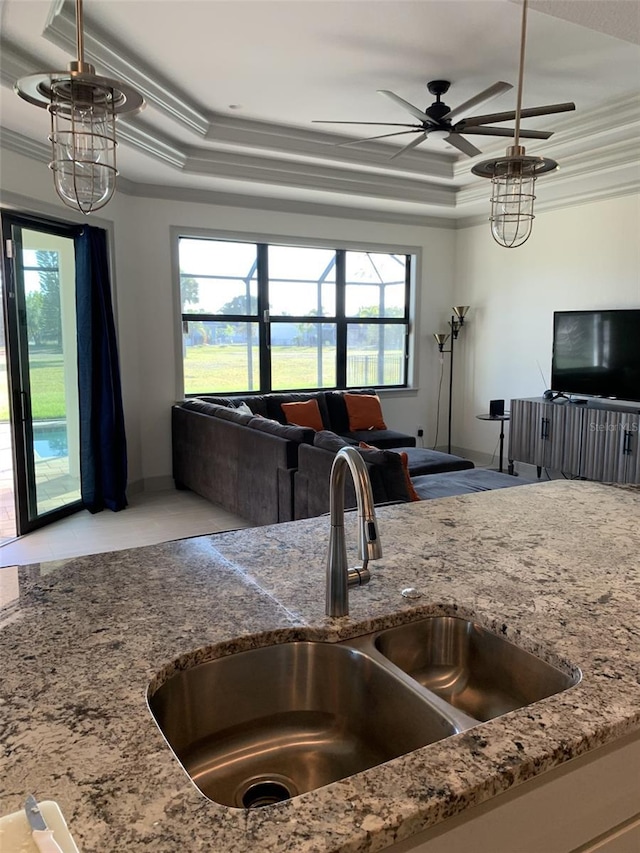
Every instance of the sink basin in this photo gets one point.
(472, 669)
(261, 726)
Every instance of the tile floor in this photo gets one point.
(151, 517)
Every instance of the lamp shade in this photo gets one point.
(83, 144)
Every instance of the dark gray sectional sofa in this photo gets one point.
(257, 466)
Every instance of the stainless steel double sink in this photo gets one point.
(261, 726)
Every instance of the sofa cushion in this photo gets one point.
(337, 409)
(364, 411)
(304, 413)
(256, 402)
(465, 482)
(233, 415)
(199, 405)
(244, 408)
(217, 411)
(327, 440)
(383, 438)
(274, 405)
(385, 467)
(300, 435)
(422, 460)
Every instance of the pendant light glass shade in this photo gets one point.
(511, 215)
(83, 139)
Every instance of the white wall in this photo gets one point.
(581, 257)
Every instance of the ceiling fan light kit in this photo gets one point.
(83, 108)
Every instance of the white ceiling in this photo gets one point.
(232, 88)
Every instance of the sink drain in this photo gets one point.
(265, 791)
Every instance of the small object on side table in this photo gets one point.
(502, 419)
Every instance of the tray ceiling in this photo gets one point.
(232, 89)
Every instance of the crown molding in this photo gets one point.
(300, 141)
(104, 51)
(16, 62)
(628, 184)
(149, 141)
(291, 173)
(21, 144)
(278, 205)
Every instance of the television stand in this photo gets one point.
(596, 440)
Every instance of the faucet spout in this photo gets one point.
(339, 576)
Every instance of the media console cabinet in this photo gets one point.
(597, 440)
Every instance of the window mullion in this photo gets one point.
(341, 325)
(264, 327)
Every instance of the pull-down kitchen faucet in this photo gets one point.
(339, 576)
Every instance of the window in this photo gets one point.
(258, 317)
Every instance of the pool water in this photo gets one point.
(50, 442)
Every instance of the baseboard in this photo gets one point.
(150, 484)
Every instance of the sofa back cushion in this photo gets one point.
(386, 472)
(297, 434)
(217, 411)
(304, 414)
(256, 402)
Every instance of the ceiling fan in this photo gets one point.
(437, 121)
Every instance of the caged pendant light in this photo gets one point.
(513, 176)
(83, 108)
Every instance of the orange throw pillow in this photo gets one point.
(413, 495)
(364, 412)
(305, 414)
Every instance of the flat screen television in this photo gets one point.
(597, 353)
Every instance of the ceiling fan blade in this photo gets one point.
(508, 131)
(462, 144)
(492, 92)
(511, 114)
(379, 123)
(369, 138)
(406, 105)
(412, 144)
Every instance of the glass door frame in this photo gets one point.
(27, 516)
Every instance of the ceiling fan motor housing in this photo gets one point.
(438, 109)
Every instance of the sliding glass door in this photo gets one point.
(40, 311)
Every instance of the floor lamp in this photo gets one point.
(456, 323)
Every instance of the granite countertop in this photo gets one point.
(554, 566)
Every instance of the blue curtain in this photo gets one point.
(103, 447)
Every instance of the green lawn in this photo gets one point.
(217, 369)
(224, 369)
(47, 387)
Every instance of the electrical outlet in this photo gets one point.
(420, 432)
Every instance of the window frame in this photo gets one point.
(340, 319)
